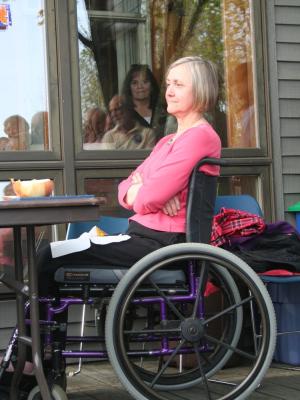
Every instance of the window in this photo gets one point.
(23, 69)
(111, 41)
(114, 35)
(104, 184)
(239, 63)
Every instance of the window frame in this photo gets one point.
(145, 57)
(260, 81)
(53, 96)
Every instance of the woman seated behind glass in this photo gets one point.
(17, 130)
(127, 133)
(141, 92)
(94, 128)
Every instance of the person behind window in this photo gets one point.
(39, 136)
(244, 111)
(157, 190)
(17, 130)
(141, 91)
(3, 143)
(127, 133)
(95, 125)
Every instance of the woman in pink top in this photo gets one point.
(157, 190)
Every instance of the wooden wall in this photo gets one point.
(284, 82)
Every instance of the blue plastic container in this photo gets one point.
(286, 300)
(295, 208)
(298, 221)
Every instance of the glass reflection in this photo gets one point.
(110, 78)
(239, 74)
(24, 83)
(239, 184)
(16, 128)
(107, 188)
(116, 35)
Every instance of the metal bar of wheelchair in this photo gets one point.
(78, 370)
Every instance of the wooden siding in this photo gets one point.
(288, 52)
(290, 90)
(289, 34)
(290, 127)
(287, 58)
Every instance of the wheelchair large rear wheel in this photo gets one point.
(230, 325)
(207, 328)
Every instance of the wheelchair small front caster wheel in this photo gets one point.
(57, 393)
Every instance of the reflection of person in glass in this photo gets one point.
(95, 125)
(141, 91)
(244, 105)
(3, 143)
(127, 133)
(17, 130)
(39, 130)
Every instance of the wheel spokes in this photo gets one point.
(228, 309)
(167, 300)
(167, 363)
(196, 349)
(229, 347)
(203, 273)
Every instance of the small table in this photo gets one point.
(29, 213)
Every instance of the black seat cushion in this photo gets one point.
(109, 275)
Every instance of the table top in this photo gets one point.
(49, 210)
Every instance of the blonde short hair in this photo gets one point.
(205, 81)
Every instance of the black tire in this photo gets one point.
(144, 383)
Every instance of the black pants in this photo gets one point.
(122, 254)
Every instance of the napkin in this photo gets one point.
(83, 242)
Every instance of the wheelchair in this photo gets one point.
(175, 324)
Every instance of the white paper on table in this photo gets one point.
(63, 247)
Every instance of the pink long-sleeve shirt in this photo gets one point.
(165, 173)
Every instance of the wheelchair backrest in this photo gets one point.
(201, 203)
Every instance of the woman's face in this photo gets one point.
(179, 91)
(13, 129)
(140, 86)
